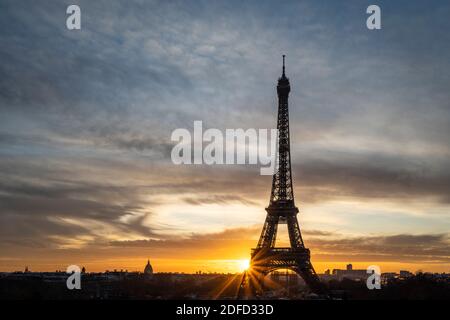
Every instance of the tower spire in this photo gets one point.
(283, 65)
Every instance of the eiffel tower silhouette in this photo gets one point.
(266, 258)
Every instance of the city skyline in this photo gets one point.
(86, 174)
(147, 269)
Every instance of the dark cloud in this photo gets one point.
(318, 233)
(142, 145)
(322, 180)
(434, 248)
(36, 213)
(217, 199)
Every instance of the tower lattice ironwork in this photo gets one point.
(266, 258)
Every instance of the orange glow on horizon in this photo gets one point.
(204, 265)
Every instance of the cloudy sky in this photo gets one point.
(86, 118)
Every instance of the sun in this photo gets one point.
(243, 264)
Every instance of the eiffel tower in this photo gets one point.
(266, 258)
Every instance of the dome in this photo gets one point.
(148, 268)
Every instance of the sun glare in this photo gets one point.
(243, 264)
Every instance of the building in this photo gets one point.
(388, 276)
(350, 273)
(405, 274)
(148, 270)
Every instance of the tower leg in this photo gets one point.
(312, 280)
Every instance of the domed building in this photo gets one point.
(148, 270)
